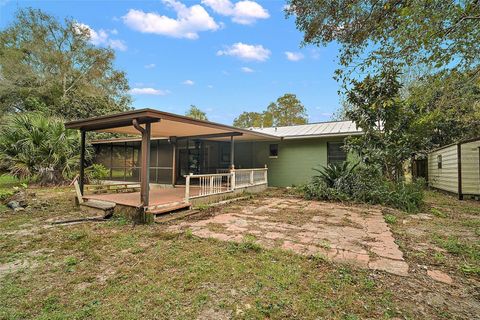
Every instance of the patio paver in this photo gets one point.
(349, 234)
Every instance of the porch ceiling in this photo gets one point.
(166, 125)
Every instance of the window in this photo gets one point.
(439, 161)
(273, 151)
(335, 152)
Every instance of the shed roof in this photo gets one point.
(312, 130)
(164, 124)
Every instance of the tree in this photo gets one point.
(286, 111)
(447, 107)
(253, 119)
(33, 145)
(196, 113)
(408, 33)
(391, 133)
(52, 67)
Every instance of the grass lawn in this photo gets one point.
(114, 270)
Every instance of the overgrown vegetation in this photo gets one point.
(109, 270)
(348, 182)
(36, 147)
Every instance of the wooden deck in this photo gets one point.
(158, 197)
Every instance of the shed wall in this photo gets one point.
(471, 168)
(445, 178)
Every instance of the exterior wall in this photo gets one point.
(471, 168)
(295, 161)
(445, 178)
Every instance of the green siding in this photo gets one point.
(295, 161)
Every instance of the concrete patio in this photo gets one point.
(356, 235)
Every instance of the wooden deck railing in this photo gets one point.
(201, 185)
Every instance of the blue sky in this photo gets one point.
(224, 56)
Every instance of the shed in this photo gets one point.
(456, 168)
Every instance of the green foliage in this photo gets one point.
(334, 172)
(389, 135)
(96, 172)
(407, 33)
(253, 119)
(248, 244)
(51, 67)
(446, 107)
(286, 111)
(367, 185)
(436, 212)
(456, 246)
(436, 42)
(470, 269)
(34, 146)
(390, 218)
(196, 113)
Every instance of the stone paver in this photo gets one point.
(440, 276)
(351, 234)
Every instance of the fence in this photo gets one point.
(201, 185)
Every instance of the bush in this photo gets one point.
(35, 146)
(363, 184)
(96, 172)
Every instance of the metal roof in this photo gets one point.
(312, 130)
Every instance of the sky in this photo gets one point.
(223, 56)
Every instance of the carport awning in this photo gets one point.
(164, 124)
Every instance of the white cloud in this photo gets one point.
(188, 82)
(246, 52)
(247, 70)
(150, 66)
(102, 37)
(242, 12)
(117, 44)
(294, 56)
(189, 21)
(210, 86)
(149, 91)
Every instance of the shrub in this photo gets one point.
(363, 184)
(96, 172)
(33, 145)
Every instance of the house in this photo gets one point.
(203, 160)
(456, 168)
(289, 158)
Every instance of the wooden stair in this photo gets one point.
(168, 207)
(175, 215)
(97, 207)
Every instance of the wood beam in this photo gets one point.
(82, 160)
(145, 165)
(212, 136)
(232, 153)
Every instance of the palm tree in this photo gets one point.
(34, 146)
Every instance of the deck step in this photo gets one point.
(104, 208)
(169, 207)
(175, 215)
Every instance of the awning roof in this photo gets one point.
(164, 124)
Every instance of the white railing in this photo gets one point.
(201, 185)
(250, 177)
